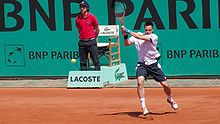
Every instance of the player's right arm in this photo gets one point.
(127, 42)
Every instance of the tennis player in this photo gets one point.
(87, 25)
(147, 62)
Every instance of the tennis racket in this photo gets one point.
(120, 12)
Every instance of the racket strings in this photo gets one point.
(119, 10)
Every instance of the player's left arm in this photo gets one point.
(137, 35)
(140, 36)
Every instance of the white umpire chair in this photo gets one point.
(111, 48)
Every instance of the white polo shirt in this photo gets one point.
(147, 51)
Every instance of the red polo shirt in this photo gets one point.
(86, 26)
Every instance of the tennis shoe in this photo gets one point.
(145, 111)
(173, 104)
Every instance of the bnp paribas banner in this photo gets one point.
(39, 37)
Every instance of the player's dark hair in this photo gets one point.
(149, 23)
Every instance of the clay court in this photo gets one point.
(107, 106)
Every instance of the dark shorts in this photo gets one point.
(153, 70)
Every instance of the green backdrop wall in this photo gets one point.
(39, 37)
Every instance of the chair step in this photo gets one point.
(114, 45)
(116, 60)
(115, 53)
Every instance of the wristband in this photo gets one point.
(125, 37)
(128, 31)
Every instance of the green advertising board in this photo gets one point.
(39, 37)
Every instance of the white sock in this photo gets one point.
(170, 98)
(143, 102)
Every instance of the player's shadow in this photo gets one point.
(139, 114)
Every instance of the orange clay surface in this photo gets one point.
(107, 106)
